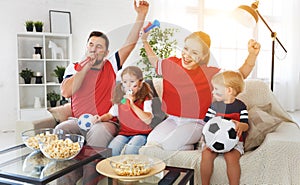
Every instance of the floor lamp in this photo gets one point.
(252, 14)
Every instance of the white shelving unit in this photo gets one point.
(27, 93)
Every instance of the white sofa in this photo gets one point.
(273, 143)
(273, 159)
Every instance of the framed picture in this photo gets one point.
(60, 21)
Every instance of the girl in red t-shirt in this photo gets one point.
(132, 106)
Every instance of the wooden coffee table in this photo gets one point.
(21, 164)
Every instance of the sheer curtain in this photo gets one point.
(229, 39)
(288, 71)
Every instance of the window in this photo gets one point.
(229, 38)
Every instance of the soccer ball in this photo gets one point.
(85, 121)
(220, 135)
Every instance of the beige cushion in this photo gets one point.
(61, 113)
(261, 123)
(256, 93)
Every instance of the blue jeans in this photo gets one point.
(131, 144)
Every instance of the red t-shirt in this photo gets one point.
(94, 95)
(186, 93)
(130, 123)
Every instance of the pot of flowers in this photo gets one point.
(53, 97)
(26, 74)
(38, 26)
(59, 72)
(29, 25)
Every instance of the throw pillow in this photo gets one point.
(158, 114)
(61, 113)
(261, 122)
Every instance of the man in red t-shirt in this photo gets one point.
(90, 88)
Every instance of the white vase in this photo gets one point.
(37, 102)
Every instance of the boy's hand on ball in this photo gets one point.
(240, 127)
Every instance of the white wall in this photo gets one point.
(86, 15)
(112, 17)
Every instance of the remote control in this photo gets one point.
(170, 178)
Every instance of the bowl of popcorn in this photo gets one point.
(32, 137)
(131, 165)
(67, 146)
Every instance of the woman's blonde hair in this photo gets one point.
(231, 79)
(205, 41)
(141, 95)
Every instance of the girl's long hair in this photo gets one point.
(143, 93)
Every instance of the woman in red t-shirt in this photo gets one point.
(187, 90)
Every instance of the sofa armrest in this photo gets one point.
(277, 158)
(44, 123)
(287, 132)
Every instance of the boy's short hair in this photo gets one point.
(233, 79)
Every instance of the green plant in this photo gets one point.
(38, 26)
(59, 72)
(163, 46)
(29, 25)
(53, 96)
(26, 73)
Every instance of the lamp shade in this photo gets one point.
(246, 15)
